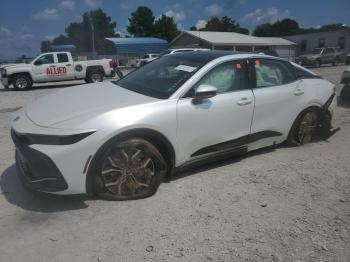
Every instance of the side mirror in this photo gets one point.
(204, 92)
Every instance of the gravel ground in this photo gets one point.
(276, 204)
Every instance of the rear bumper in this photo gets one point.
(37, 170)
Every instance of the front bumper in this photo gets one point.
(53, 168)
(37, 170)
(4, 80)
(305, 61)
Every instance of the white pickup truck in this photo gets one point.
(53, 67)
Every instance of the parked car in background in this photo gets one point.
(320, 56)
(146, 59)
(53, 67)
(122, 138)
(181, 50)
(345, 80)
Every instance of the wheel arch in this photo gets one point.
(296, 120)
(99, 68)
(21, 73)
(160, 141)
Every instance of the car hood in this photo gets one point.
(308, 56)
(81, 100)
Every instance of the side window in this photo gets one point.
(45, 59)
(62, 58)
(271, 72)
(226, 77)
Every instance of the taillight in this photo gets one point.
(111, 64)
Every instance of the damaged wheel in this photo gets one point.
(130, 169)
(305, 128)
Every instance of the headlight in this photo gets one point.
(30, 139)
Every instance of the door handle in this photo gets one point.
(299, 92)
(52, 66)
(244, 101)
(68, 64)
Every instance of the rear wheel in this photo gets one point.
(130, 169)
(95, 76)
(21, 82)
(304, 128)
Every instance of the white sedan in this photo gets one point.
(120, 139)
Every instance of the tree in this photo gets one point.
(80, 33)
(141, 22)
(45, 46)
(165, 28)
(225, 24)
(193, 28)
(280, 28)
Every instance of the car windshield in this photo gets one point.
(162, 77)
(317, 51)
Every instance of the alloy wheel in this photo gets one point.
(308, 127)
(127, 171)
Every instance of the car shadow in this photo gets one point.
(16, 194)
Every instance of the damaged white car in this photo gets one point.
(120, 139)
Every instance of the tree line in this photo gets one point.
(142, 23)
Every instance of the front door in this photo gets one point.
(42, 68)
(219, 123)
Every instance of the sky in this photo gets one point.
(25, 23)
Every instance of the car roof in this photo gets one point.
(207, 56)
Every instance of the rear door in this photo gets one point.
(279, 98)
(64, 67)
(219, 123)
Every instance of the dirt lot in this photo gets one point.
(280, 204)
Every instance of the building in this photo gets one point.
(63, 48)
(234, 42)
(307, 42)
(130, 48)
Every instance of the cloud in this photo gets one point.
(124, 6)
(93, 3)
(177, 16)
(47, 14)
(201, 24)
(214, 10)
(67, 4)
(229, 4)
(16, 43)
(269, 15)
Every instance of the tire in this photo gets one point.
(94, 77)
(127, 170)
(305, 128)
(21, 82)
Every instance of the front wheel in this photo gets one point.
(94, 77)
(21, 82)
(305, 128)
(130, 169)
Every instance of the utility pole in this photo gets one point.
(92, 33)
